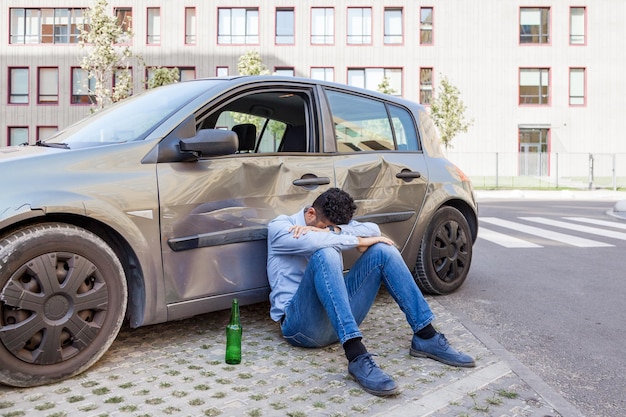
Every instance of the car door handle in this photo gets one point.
(408, 175)
(307, 182)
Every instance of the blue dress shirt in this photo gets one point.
(287, 257)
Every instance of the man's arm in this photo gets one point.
(366, 242)
(285, 237)
(355, 228)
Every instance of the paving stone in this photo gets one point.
(178, 369)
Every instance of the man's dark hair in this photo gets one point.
(335, 205)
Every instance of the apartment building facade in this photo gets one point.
(540, 76)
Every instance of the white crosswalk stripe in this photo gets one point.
(597, 222)
(580, 228)
(505, 240)
(568, 239)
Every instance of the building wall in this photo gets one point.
(476, 46)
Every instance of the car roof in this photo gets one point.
(242, 80)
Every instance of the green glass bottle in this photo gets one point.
(233, 335)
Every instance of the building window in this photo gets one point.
(426, 25)
(393, 26)
(154, 26)
(359, 25)
(83, 87)
(285, 34)
(238, 26)
(577, 25)
(322, 26)
(426, 86)
(533, 139)
(32, 26)
(190, 25)
(17, 136)
(44, 132)
(534, 25)
(533, 151)
(18, 85)
(124, 16)
(48, 85)
(285, 72)
(577, 86)
(373, 78)
(324, 74)
(221, 71)
(534, 86)
(25, 26)
(186, 73)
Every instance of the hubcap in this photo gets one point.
(449, 254)
(52, 307)
(56, 307)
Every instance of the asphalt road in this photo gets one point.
(555, 300)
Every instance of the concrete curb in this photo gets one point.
(619, 210)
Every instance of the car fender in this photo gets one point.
(140, 229)
(15, 214)
(95, 213)
(461, 199)
(437, 197)
(27, 206)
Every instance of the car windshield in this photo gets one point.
(130, 120)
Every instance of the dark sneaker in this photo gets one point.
(371, 378)
(438, 348)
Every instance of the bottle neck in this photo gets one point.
(234, 312)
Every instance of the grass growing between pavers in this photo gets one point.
(514, 400)
(178, 369)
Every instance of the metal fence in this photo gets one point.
(543, 170)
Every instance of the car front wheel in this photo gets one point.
(445, 253)
(62, 303)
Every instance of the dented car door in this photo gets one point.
(379, 162)
(215, 211)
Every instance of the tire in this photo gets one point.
(445, 253)
(62, 303)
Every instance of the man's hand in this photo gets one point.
(302, 230)
(366, 242)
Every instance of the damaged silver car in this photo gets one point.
(156, 209)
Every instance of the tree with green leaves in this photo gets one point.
(251, 63)
(107, 59)
(163, 76)
(448, 112)
(385, 87)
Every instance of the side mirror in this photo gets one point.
(211, 142)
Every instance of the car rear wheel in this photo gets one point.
(62, 303)
(445, 253)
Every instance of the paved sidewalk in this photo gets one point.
(178, 369)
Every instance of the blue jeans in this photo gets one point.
(329, 307)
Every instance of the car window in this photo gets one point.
(267, 121)
(404, 128)
(256, 134)
(363, 124)
(131, 119)
(430, 139)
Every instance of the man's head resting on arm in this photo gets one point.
(333, 207)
